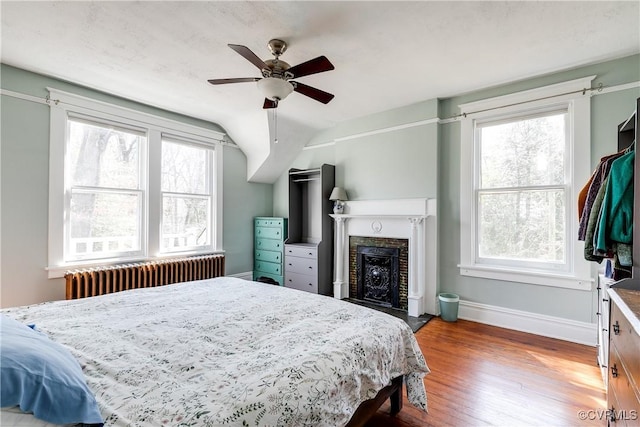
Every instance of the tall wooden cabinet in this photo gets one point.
(308, 258)
(623, 388)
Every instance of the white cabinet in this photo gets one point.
(604, 308)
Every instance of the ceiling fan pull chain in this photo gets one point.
(275, 125)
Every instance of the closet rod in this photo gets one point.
(306, 179)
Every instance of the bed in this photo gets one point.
(227, 351)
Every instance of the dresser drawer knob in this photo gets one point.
(614, 371)
(616, 328)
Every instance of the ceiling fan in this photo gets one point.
(276, 83)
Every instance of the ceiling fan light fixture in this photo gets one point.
(274, 88)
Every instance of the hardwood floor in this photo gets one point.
(487, 376)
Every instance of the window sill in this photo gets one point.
(529, 277)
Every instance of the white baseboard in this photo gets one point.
(247, 275)
(539, 324)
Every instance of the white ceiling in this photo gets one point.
(386, 54)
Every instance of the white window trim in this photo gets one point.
(64, 104)
(580, 274)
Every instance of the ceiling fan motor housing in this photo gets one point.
(277, 68)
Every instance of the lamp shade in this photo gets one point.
(274, 88)
(338, 194)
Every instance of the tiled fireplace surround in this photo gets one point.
(411, 219)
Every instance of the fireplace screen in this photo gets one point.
(378, 275)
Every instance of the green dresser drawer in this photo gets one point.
(269, 245)
(269, 222)
(259, 276)
(270, 256)
(268, 267)
(269, 233)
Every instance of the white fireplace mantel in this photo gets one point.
(412, 219)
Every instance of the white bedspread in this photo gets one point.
(231, 352)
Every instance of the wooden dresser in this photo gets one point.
(623, 392)
(268, 255)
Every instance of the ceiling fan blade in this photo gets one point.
(268, 103)
(313, 66)
(249, 55)
(239, 80)
(312, 92)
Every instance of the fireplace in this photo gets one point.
(410, 220)
(378, 275)
(378, 270)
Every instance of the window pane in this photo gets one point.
(184, 168)
(184, 222)
(101, 156)
(522, 225)
(104, 223)
(523, 153)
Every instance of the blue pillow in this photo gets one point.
(42, 377)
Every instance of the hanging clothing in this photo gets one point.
(582, 195)
(595, 183)
(590, 253)
(616, 221)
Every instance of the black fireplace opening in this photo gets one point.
(378, 275)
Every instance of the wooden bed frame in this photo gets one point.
(369, 407)
(100, 281)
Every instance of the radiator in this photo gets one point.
(105, 280)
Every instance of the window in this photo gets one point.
(186, 196)
(524, 158)
(128, 186)
(105, 194)
(522, 193)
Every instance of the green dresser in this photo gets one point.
(269, 236)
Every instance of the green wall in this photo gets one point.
(24, 180)
(391, 155)
(400, 153)
(424, 161)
